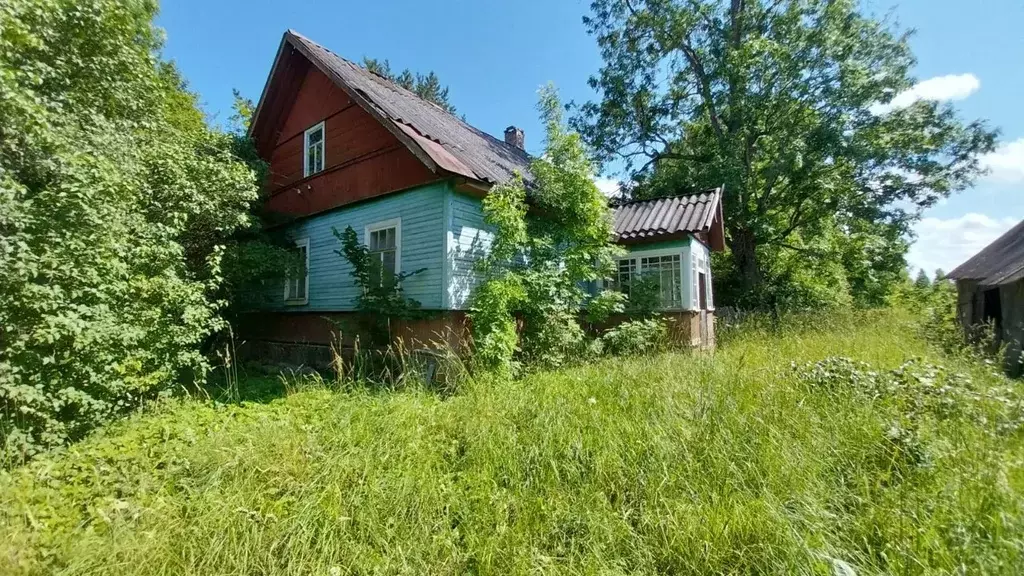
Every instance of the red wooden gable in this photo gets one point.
(362, 159)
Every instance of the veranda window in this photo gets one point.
(624, 271)
(662, 271)
(665, 272)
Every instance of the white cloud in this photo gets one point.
(608, 186)
(1006, 163)
(948, 242)
(939, 89)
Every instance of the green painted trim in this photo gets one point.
(658, 245)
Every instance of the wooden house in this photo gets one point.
(990, 289)
(347, 147)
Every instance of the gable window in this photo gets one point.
(314, 145)
(296, 285)
(384, 242)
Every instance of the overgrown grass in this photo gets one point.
(680, 463)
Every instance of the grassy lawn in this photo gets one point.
(678, 463)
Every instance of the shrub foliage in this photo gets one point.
(381, 298)
(116, 206)
(538, 262)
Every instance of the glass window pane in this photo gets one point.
(314, 151)
(388, 259)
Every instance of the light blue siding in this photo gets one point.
(469, 240)
(443, 232)
(331, 286)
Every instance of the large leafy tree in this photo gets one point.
(117, 204)
(784, 103)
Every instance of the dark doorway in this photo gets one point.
(993, 308)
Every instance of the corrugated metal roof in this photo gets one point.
(666, 217)
(1001, 262)
(452, 144)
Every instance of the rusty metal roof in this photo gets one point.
(453, 145)
(1001, 262)
(666, 218)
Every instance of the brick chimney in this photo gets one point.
(516, 137)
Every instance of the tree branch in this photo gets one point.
(705, 87)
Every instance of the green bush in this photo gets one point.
(636, 337)
(117, 204)
(545, 247)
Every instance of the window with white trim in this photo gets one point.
(696, 265)
(296, 285)
(384, 244)
(700, 279)
(625, 268)
(707, 274)
(664, 270)
(313, 160)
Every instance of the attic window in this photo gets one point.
(314, 158)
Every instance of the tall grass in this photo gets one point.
(680, 463)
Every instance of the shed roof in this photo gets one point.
(441, 140)
(667, 218)
(1001, 262)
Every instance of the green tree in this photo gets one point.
(242, 110)
(549, 239)
(117, 202)
(427, 86)
(922, 282)
(784, 103)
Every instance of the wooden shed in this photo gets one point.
(990, 288)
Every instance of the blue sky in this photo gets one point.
(494, 55)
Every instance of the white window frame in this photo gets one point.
(700, 262)
(680, 251)
(301, 243)
(395, 223)
(707, 275)
(305, 149)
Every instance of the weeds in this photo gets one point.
(677, 463)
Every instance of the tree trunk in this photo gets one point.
(744, 254)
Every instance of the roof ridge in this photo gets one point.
(390, 84)
(979, 267)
